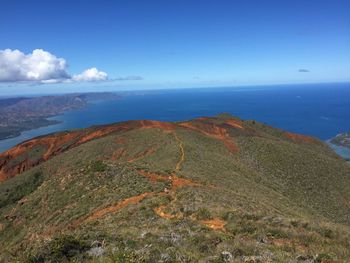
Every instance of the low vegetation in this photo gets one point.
(179, 193)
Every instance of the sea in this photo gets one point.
(319, 110)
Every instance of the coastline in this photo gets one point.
(342, 151)
(45, 122)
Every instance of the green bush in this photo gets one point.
(98, 166)
(326, 232)
(13, 190)
(203, 214)
(60, 249)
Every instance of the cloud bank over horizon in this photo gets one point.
(43, 67)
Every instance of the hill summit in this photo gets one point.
(212, 189)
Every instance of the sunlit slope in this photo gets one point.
(210, 189)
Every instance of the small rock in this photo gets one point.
(263, 239)
(96, 251)
(304, 257)
(253, 259)
(165, 257)
(226, 256)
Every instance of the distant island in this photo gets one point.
(26, 113)
(342, 139)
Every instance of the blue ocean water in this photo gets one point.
(320, 110)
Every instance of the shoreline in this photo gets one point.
(19, 133)
(342, 151)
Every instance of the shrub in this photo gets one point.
(15, 189)
(203, 214)
(60, 249)
(326, 232)
(277, 233)
(98, 166)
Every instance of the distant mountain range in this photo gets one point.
(213, 189)
(20, 114)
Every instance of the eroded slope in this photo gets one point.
(209, 189)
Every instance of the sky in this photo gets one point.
(63, 46)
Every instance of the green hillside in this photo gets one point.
(208, 190)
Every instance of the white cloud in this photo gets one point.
(41, 66)
(91, 74)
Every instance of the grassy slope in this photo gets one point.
(274, 199)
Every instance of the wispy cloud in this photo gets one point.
(129, 78)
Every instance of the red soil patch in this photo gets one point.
(160, 211)
(213, 131)
(114, 208)
(157, 124)
(58, 143)
(54, 145)
(3, 176)
(235, 123)
(299, 137)
(153, 177)
(177, 182)
(215, 224)
(103, 131)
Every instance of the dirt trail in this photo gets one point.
(160, 211)
(153, 177)
(166, 126)
(182, 153)
(111, 209)
(176, 182)
(215, 223)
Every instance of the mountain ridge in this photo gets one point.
(94, 132)
(212, 189)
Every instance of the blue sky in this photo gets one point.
(179, 43)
